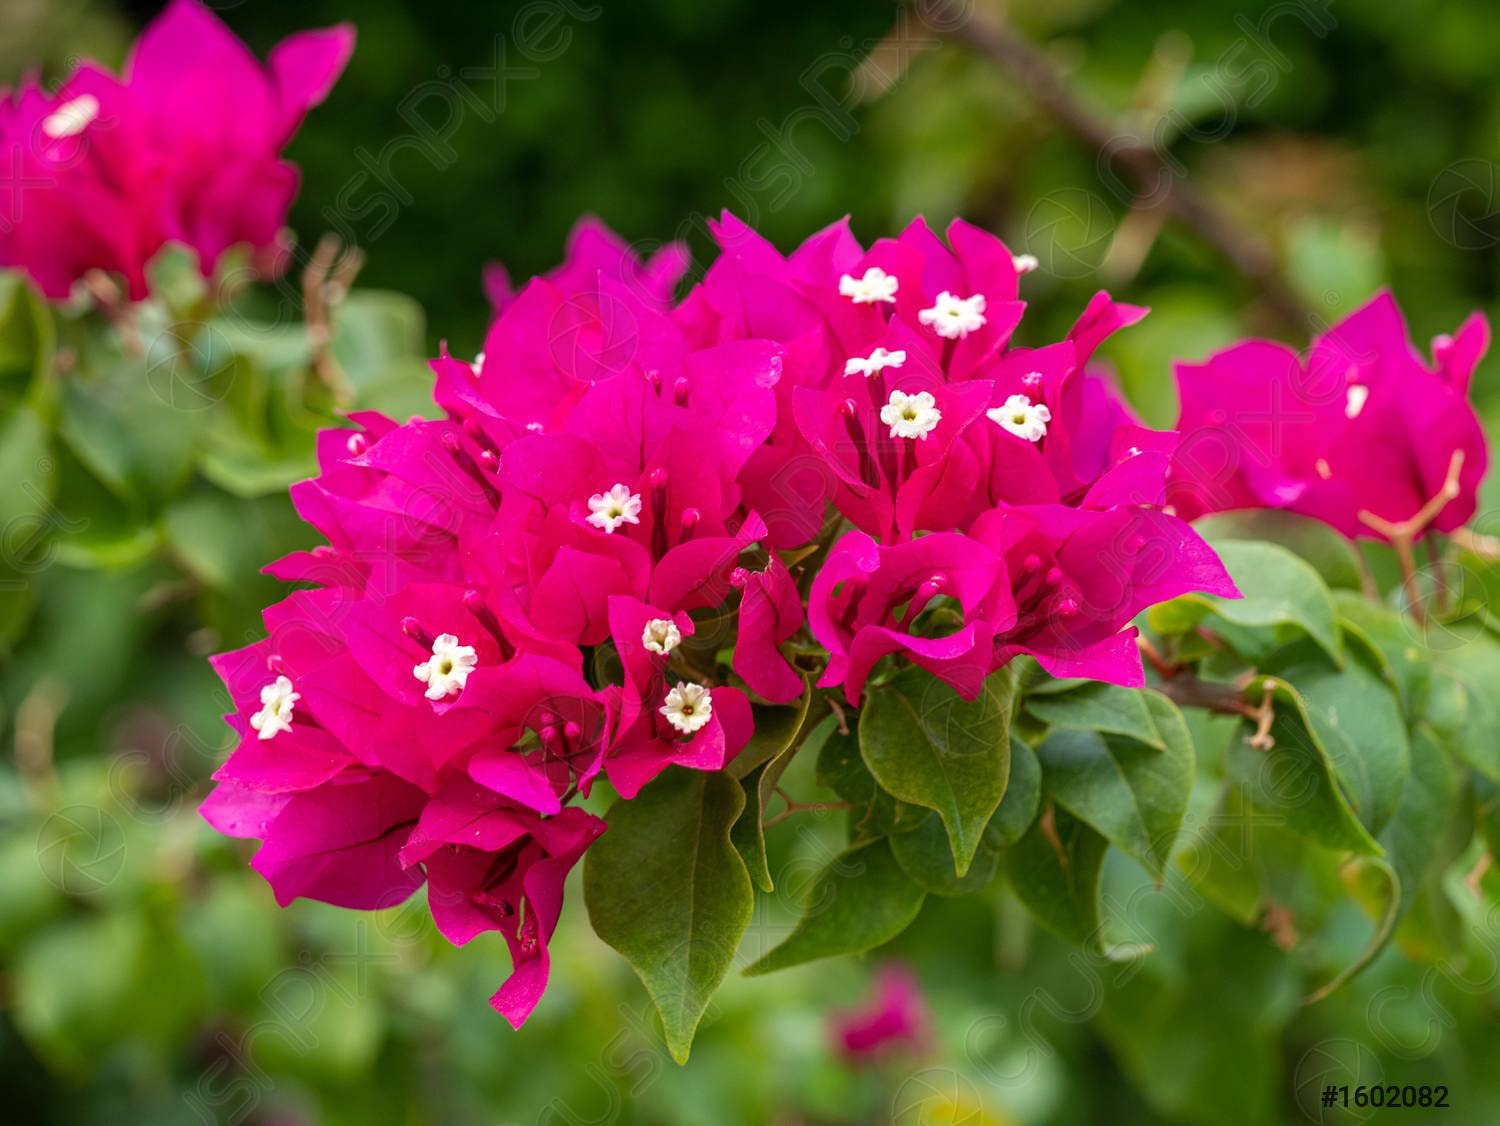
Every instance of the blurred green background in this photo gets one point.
(145, 975)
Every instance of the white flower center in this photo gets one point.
(661, 636)
(618, 506)
(1354, 402)
(71, 118)
(876, 285)
(953, 317)
(688, 707)
(448, 669)
(877, 360)
(478, 362)
(1024, 263)
(276, 707)
(1022, 417)
(911, 416)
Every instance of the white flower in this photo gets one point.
(449, 667)
(618, 506)
(71, 118)
(1022, 417)
(688, 707)
(478, 362)
(876, 285)
(661, 636)
(276, 706)
(911, 416)
(1354, 402)
(1024, 263)
(877, 360)
(953, 317)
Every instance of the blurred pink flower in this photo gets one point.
(185, 146)
(895, 1018)
(1360, 427)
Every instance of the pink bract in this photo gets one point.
(1360, 426)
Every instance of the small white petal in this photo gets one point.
(876, 361)
(614, 508)
(911, 416)
(447, 670)
(277, 701)
(1022, 417)
(1354, 401)
(953, 317)
(875, 286)
(71, 118)
(688, 707)
(1024, 263)
(661, 635)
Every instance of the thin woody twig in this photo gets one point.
(326, 281)
(1186, 690)
(1403, 534)
(802, 807)
(1142, 166)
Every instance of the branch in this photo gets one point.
(1403, 534)
(1186, 690)
(1142, 166)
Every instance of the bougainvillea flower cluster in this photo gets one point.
(1361, 432)
(837, 457)
(183, 146)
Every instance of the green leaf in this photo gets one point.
(1357, 718)
(29, 472)
(1023, 796)
(1219, 858)
(926, 745)
(776, 728)
(1283, 597)
(749, 833)
(926, 856)
(1407, 666)
(1331, 555)
(861, 900)
(667, 889)
(1464, 701)
(375, 330)
(1133, 793)
(1297, 778)
(1106, 708)
(1055, 870)
(27, 337)
(1389, 886)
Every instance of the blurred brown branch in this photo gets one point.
(1140, 165)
